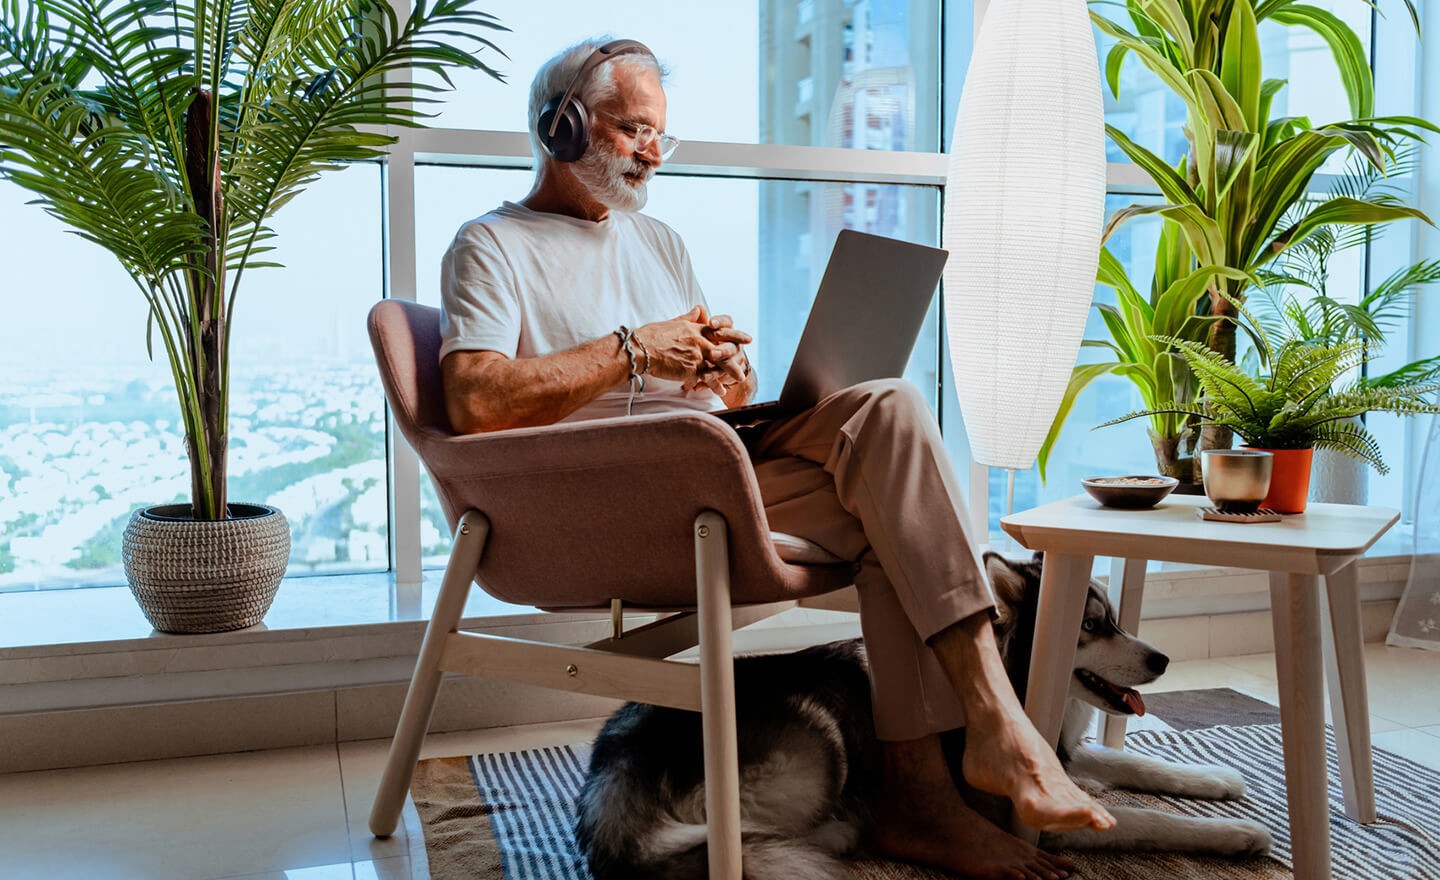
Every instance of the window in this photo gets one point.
(88, 425)
(857, 74)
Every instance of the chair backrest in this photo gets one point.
(406, 339)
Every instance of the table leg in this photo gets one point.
(1064, 587)
(1344, 646)
(1127, 591)
(1295, 604)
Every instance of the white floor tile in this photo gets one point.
(187, 819)
(361, 764)
(1187, 675)
(341, 871)
(1418, 746)
(1404, 684)
(398, 868)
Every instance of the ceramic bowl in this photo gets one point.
(1133, 492)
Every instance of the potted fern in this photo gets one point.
(1229, 204)
(1299, 301)
(170, 134)
(1296, 405)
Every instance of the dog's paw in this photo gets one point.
(1225, 785)
(1243, 838)
(1206, 782)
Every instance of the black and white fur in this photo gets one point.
(809, 759)
(1109, 664)
(808, 767)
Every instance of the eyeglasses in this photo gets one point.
(645, 135)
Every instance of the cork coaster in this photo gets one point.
(1262, 515)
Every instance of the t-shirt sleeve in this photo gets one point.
(479, 298)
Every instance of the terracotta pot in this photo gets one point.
(1289, 480)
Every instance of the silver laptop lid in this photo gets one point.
(867, 314)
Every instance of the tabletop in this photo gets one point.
(1320, 541)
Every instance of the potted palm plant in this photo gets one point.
(1229, 203)
(1298, 403)
(170, 134)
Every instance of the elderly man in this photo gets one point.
(560, 306)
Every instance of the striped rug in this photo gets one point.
(509, 816)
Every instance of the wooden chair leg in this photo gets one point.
(717, 696)
(1127, 591)
(425, 683)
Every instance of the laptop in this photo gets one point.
(862, 326)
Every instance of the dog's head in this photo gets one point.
(1109, 662)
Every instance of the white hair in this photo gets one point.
(554, 77)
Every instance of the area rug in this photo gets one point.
(509, 816)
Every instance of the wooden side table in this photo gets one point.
(1323, 542)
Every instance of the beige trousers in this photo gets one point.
(865, 475)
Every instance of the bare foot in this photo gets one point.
(1004, 755)
(923, 819)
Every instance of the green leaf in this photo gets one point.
(1080, 377)
(1341, 210)
(1156, 62)
(1349, 53)
(1114, 62)
(1240, 63)
(1232, 157)
(1171, 184)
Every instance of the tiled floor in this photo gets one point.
(301, 813)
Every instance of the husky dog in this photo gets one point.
(809, 759)
(1109, 664)
(808, 772)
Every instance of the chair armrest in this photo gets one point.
(582, 512)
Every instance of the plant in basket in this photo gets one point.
(170, 134)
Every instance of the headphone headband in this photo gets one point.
(596, 58)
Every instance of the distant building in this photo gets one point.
(857, 74)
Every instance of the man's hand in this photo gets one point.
(696, 350)
(726, 364)
(676, 348)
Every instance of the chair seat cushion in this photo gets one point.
(798, 551)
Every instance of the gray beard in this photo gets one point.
(602, 171)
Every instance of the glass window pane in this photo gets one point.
(89, 428)
(759, 249)
(835, 73)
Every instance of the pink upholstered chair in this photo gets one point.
(658, 512)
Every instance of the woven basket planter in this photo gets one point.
(204, 577)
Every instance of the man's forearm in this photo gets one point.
(522, 392)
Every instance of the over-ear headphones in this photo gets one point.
(564, 123)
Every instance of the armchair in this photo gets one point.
(658, 512)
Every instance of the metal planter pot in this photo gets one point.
(202, 577)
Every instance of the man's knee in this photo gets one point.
(894, 396)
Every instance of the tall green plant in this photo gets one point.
(1228, 201)
(171, 133)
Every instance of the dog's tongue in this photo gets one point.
(1133, 699)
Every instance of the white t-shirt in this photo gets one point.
(527, 284)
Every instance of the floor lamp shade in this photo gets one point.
(1024, 206)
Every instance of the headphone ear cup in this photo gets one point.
(572, 133)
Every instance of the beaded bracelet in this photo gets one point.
(637, 381)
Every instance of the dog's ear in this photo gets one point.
(1008, 584)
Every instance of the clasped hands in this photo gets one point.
(698, 350)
